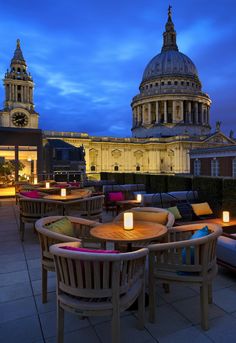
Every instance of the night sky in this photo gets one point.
(87, 57)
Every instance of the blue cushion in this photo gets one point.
(197, 234)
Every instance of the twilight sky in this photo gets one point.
(87, 57)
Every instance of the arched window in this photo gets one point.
(93, 168)
(116, 168)
(234, 167)
(197, 167)
(214, 167)
(137, 168)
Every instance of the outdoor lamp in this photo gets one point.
(63, 192)
(139, 197)
(128, 221)
(47, 185)
(225, 216)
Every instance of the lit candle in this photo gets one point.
(47, 185)
(226, 216)
(63, 192)
(139, 197)
(35, 180)
(128, 221)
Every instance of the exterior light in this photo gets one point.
(226, 217)
(47, 185)
(128, 221)
(139, 197)
(63, 192)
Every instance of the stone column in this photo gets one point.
(189, 112)
(182, 110)
(174, 112)
(196, 112)
(157, 112)
(143, 116)
(149, 113)
(165, 111)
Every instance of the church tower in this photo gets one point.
(19, 105)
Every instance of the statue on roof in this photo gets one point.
(218, 124)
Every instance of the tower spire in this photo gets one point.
(169, 36)
(18, 56)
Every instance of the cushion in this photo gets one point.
(156, 217)
(74, 184)
(63, 226)
(201, 209)
(31, 194)
(96, 251)
(174, 210)
(197, 234)
(185, 211)
(226, 250)
(116, 196)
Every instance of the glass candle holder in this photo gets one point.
(139, 197)
(226, 217)
(63, 192)
(35, 180)
(128, 221)
(47, 185)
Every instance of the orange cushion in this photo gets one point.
(156, 217)
(201, 209)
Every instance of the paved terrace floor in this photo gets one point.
(24, 319)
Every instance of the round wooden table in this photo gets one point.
(73, 196)
(142, 231)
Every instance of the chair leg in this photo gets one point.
(60, 323)
(204, 307)
(166, 287)
(141, 308)
(22, 230)
(115, 327)
(152, 292)
(210, 298)
(44, 285)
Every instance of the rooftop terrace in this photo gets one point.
(23, 318)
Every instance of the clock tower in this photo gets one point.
(18, 109)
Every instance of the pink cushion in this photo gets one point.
(31, 194)
(116, 196)
(61, 186)
(90, 250)
(75, 184)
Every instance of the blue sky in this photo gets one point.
(87, 57)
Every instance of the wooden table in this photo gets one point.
(73, 196)
(114, 232)
(127, 204)
(227, 227)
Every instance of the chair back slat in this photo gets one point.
(95, 277)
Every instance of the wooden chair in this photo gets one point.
(92, 284)
(185, 260)
(147, 212)
(33, 209)
(89, 208)
(47, 238)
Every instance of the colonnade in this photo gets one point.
(25, 92)
(171, 111)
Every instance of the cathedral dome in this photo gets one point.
(170, 63)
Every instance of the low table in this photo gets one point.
(229, 227)
(114, 232)
(123, 205)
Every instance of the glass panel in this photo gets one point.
(28, 163)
